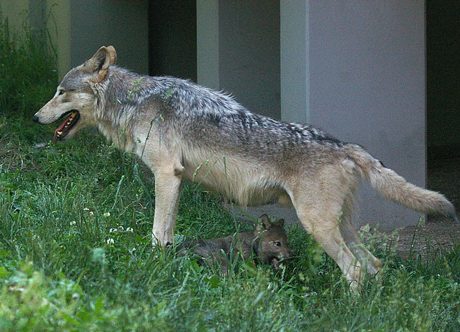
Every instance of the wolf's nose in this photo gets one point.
(35, 118)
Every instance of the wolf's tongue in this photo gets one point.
(63, 129)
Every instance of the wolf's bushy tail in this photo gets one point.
(395, 188)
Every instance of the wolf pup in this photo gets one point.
(267, 244)
(185, 131)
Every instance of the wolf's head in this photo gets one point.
(76, 97)
(272, 246)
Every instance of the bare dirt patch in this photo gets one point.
(429, 237)
(438, 233)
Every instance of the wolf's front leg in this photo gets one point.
(167, 192)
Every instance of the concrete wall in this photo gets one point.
(295, 70)
(249, 53)
(207, 41)
(78, 28)
(42, 14)
(238, 51)
(16, 12)
(367, 85)
(123, 24)
(57, 17)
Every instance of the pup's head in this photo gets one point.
(272, 247)
(76, 97)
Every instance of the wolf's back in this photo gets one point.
(395, 188)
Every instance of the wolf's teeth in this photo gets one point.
(70, 119)
(59, 133)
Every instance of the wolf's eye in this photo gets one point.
(61, 91)
(277, 244)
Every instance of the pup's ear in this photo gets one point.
(279, 222)
(100, 62)
(265, 221)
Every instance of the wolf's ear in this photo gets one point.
(100, 62)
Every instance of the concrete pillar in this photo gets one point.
(239, 52)
(295, 76)
(207, 12)
(59, 29)
(360, 77)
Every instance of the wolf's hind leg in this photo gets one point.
(167, 192)
(322, 222)
(352, 240)
(319, 199)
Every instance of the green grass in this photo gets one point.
(76, 254)
(28, 76)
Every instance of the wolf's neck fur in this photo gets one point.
(119, 99)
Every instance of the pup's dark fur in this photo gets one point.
(267, 244)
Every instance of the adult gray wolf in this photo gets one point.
(266, 244)
(184, 131)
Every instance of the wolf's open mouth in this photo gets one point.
(65, 126)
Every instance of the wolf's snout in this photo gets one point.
(36, 119)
